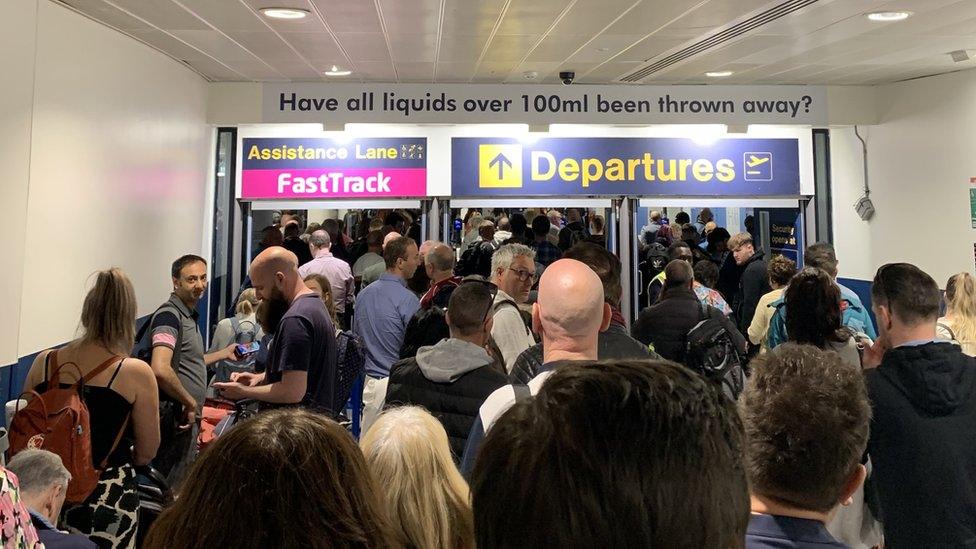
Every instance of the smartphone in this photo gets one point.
(247, 349)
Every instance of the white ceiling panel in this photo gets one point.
(215, 44)
(455, 72)
(228, 15)
(459, 48)
(591, 16)
(413, 48)
(162, 13)
(532, 16)
(411, 16)
(107, 14)
(651, 17)
(471, 18)
(364, 46)
(315, 47)
(603, 47)
(648, 48)
(829, 41)
(415, 72)
(609, 72)
(509, 47)
(351, 16)
(376, 70)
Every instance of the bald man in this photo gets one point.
(374, 272)
(335, 270)
(302, 362)
(569, 314)
(439, 264)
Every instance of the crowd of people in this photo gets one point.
(505, 401)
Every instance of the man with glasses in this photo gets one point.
(513, 271)
(452, 378)
(923, 395)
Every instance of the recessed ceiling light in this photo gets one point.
(336, 71)
(284, 13)
(889, 16)
(718, 74)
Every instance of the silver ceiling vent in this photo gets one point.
(719, 38)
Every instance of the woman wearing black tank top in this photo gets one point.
(122, 398)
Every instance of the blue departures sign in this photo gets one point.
(653, 166)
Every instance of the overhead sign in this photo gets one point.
(542, 104)
(273, 167)
(624, 166)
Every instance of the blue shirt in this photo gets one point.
(383, 310)
(779, 532)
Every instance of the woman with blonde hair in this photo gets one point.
(244, 320)
(122, 398)
(428, 500)
(959, 322)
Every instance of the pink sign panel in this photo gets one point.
(311, 168)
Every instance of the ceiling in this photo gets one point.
(603, 41)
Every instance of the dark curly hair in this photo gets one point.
(655, 416)
(806, 415)
(813, 309)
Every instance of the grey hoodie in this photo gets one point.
(450, 359)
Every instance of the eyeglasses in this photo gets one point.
(492, 290)
(523, 275)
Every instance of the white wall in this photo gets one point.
(17, 34)
(119, 155)
(920, 160)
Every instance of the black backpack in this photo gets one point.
(711, 351)
(476, 260)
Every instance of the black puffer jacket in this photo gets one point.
(451, 380)
(921, 445)
(753, 284)
(665, 326)
(613, 343)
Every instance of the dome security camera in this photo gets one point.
(567, 77)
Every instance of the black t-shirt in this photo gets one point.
(305, 341)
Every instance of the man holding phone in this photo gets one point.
(180, 365)
(301, 366)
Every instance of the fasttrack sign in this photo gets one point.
(542, 104)
(622, 166)
(276, 167)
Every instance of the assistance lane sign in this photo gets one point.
(621, 166)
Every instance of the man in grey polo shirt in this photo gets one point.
(180, 365)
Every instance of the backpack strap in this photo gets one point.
(118, 439)
(952, 335)
(99, 369)
(522, 392)
(234, 324)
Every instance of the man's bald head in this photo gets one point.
(426, 247)
(320, 240)
(440, 258)
(571, 310)
(275, 268)
(390, 237)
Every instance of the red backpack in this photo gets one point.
(57, 421)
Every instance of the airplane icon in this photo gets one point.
(758, 166)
